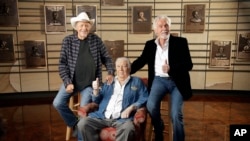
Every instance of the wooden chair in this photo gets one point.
(74, 108)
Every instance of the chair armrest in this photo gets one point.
(140, 116)
(108, 134)
(145, 81)
(90, 107)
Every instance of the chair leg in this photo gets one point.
(170, 127)
(68, 129)
(68, 133)
(150, 134)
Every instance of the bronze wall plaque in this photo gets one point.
(35, 54)
(55, 19)
(6, 48)
(243, 48)
(141, 19)
(220, 54)
(115, 48)
(194, 18)
(9, 13)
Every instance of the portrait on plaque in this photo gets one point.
(194, 18)
(220, 54)
(141, 19)
(9, 13)
(112, 2)
(115, 48)
(7, 53)
(55, 19)
(34, 53)
(243, 48)
(91, 12)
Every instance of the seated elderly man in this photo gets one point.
(118, 102)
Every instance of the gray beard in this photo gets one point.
(164, 36)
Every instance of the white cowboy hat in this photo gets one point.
(81, 17)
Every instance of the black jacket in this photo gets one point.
(180, 63)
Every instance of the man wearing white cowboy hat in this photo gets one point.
(81, 17)
(81, 59)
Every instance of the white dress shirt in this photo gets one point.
(114, 107)
(161, 57)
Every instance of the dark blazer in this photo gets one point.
(180, 63)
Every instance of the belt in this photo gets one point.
(168, 78)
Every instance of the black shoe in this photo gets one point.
(74, 133)
(159, 137)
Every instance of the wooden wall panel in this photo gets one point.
(27, 82)
(28, 4)
(54, 54)
(29, 35)
(201, 53)
(114, 35)
(241, 81)
(139, 38)
(135, 48)
(224, 20)
(31, 26)
(199, 38)
(198, 79)
(116, 27)
(222, 35)
(222, 80)
(56, 38)
(54, 80)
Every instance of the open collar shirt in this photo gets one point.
(161, 57)
(115, 104)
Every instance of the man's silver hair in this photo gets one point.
(161, 17)
(124, 59)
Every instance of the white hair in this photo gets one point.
(161, 17)
(124, 59)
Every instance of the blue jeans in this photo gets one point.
(61, 104)
(160, 87)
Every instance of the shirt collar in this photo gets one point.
(165, 45)
(125, 82)
(76, 36)
(157, 41)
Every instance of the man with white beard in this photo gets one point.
(169, 62)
